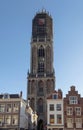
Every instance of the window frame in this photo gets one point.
(59, 119)
(58, 107)
(16, 107)
(69, 122)
(51, 107)
(15, 120)
(78, 122)
(8, 107)
(8, 119)
(41, 67)
(73, 99)
(2, 108)
(78, 111)
(41, 52)
(51, 119)
(55, 96)
(69, 110)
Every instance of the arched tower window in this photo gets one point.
(41, 55)
(52, 84)
(40, 105)
(29, 86)
(49, 59)
(40, 88)
(48, 86)
(41, 52)
(41, 67)
(33, 87)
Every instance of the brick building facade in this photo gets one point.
(73, 110)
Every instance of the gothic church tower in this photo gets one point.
(41, 78)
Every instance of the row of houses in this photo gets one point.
(15, 113)
(65, 113)
(62, 113)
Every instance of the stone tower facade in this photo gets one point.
(41, 78)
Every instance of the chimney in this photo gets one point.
(21, 94)
(59, 93)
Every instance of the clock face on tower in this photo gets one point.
(41, 21)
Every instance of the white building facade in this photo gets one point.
(55, 117)
(12, 112)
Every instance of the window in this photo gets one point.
(40, 67)
(1, 119)
(69, 110)
(59, 119)
(2, 107)
(51, 119)
(58, 107)
(55, 96)
(69, 122)
(78, 122)
(48, 86)
(8, 108)
(41, 52)
(40, 88)
(8, 119)
(51, 107)
(32, 86)
(40, 85)
(73, 99)
(6, 95)
(15, 120)
(40, 105)
(77, 110)
(41, 31)
(15, 107)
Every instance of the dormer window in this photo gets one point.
(6, 96)
(73, 100)
(55, 96)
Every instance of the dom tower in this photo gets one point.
(41, 78)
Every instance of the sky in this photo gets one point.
(15, 37)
